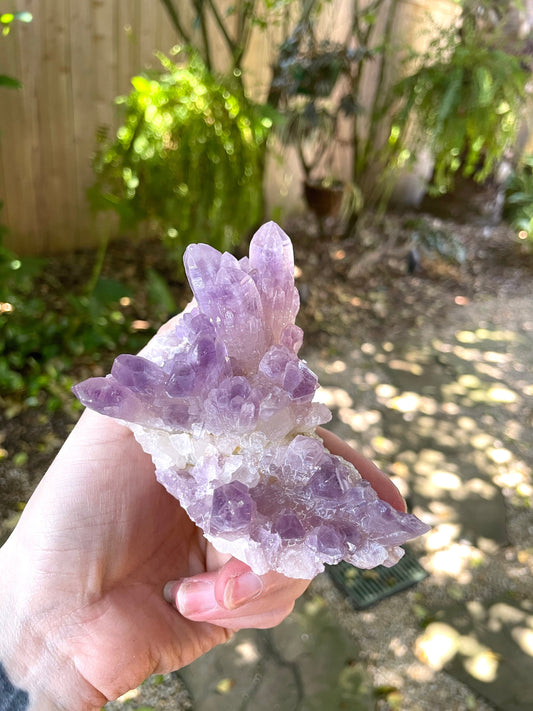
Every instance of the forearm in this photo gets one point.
(23, 666)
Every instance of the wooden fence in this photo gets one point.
(73, 59)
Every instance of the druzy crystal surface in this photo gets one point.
(224, 406)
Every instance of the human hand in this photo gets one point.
(82, 609)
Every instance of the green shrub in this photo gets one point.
(518, 209)
(188, 158)
(45, 333)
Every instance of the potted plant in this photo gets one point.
(467, 97)
(312, 92)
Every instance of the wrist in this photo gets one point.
(30, 641)
(25, 662)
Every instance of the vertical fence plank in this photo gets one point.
(54, 127)
(104, 60)
(147, 39)
(166, 36)
(127, 46)
(80, 16)
(104, 64)
(46, 96)
(9, 107)
(65, 130)
(34, 195)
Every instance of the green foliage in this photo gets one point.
(468, 99)
(159, 296)
(6, 21)
(518, 209)
(188, 158)
(43, 332)
(312, 92)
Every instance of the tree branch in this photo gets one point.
(222, 27)
(199, 5)
(176, 21)
(244, 29)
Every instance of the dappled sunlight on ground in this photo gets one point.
(450, 417)
(437, 398)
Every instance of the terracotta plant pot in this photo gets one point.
(324, 200)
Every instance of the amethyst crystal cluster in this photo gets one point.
(225, 408)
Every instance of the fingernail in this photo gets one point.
(242, 589)
(195, 597)
(170, 590)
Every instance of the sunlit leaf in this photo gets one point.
(10, 82)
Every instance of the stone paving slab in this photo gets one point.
(307, 663)
(489, 647)
(448, 412)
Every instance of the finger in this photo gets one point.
(235, 597)
(236, 586)
(267, 619)
(380, 482)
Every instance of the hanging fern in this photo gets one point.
(468, 104)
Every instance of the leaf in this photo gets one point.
(158, 292)
(141, 84)
(370, 18)
(484, 84)
(108, 291)
(449, 99)
(10, 82)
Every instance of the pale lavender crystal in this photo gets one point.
(232, 508)
(225, 407)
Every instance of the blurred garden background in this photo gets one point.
(392, 140)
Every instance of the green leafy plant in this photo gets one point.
(467, 99)
(44, 333)
(188, 158)
(518, 209)
(319, 88)
(305, 86)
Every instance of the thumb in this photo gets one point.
(235, 596)
(229, 588)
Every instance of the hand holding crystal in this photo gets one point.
(82, 606)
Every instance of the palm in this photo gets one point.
(137, 539)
